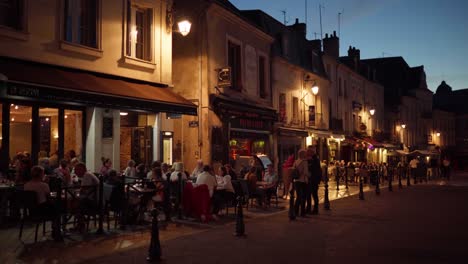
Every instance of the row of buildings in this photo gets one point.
(116, 79)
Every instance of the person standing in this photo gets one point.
(300, 182)
(446, 168)
(315, 175)
(414, 166)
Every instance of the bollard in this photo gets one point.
(179, 196)
(240, 226)
(399, 178)
(337, 179)
(100, 230)
(326, 203)
(390, 179)
(377, 185)
(346, 178)
(408, 180)
(292, 213)
(361, 191)
(154, 251)
(415, 176)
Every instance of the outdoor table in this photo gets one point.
(6, 189)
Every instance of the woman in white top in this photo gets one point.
(224, 191)
(207, 178)
(130, 171)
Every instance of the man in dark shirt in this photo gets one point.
(315, 175)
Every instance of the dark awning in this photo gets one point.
(234, 108)
(53, 84)
(292, 132)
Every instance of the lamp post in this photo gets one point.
(314, 89)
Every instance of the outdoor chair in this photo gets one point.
(27, 200)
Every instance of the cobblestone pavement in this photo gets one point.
(425, 223)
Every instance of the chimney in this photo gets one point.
(299, 28)
(355, 55)
(315, 45)
(331, 45)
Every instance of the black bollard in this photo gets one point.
(346, 178)
(408, 180)
(292, 213)
(179, 196)
(154, 251)
(390, 179)
(399, 178)
(337, 179)
(100, 230)
(123, 214)
(240, 226)
(361, 191)
(377, 185)
(326, 203)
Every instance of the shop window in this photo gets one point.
(12, 14)
(139, 23)
(48, 135)
(73, 134)
(81, 22)
(234, 61)
(20, 129)
(262, 77)
(136, 138)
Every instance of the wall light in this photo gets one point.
(438, 134)
(372, 111)
(183, 25)
(403, 126)
(123, 113)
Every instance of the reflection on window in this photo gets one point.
(48, 135)
(81, 22)
(139, 23)
(73, 138)
(20, 129)
(11, 14)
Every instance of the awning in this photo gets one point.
(48, 83)
(424, 152)
(234, 108)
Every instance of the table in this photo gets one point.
(5, 191)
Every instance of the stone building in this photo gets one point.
(94, 77)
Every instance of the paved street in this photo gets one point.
(425, 223)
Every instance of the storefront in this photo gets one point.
(290, 141)
(57, 112)
(247, 128)
(319, 138)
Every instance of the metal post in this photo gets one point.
(346, 177)
(361, 191)
(123, 214)
(326, 203)
(408, 180)
(100, 206)
(179, 196)
(390, 178)
(292, 213)
(337, 178)
(154, 251)
(400, 171)
(240, 226)
(377, 185)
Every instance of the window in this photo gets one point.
(73, 133)
(282, 107)
(139, 24)
(262, 77)
(295, 109)
(234, 61)
(81, 20)
(20, 129)
(12, 14)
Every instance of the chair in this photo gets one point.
(27, 200)
(108, 192)
(274, 193)
(89, 203)
(245, 192)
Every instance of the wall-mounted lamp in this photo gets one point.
(372, 111)
(183, 24)
(438, 134)
(123, 113)
(403, 126)
(314, 88)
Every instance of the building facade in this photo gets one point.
(88, 78)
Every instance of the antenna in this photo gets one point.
(305, 10)
(339, 24)
(320, 14)
(284, 16)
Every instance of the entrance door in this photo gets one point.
(167, 147)
(136, 143)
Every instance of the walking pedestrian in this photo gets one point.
(300, 183)
(315, 176)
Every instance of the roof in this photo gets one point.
(56, 83)
(451, 100)
(301, 54)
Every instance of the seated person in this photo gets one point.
(63, 172)
(271, 179)
(230, 171)
(251, 178)
(207, 178)
(224, 191)
(45, 206)
(178, 168)
(198, 169)
(88, 193)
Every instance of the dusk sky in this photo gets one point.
(433, 33)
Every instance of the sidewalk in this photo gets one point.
(119, 244)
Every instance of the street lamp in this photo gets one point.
(403, 126)
(438, 134)
(184, 27)
(372, 111)
(315, 88)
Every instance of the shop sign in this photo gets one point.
(23, 91)
(253, 124)
(107, 127)
(224, 77)
(193, 123)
